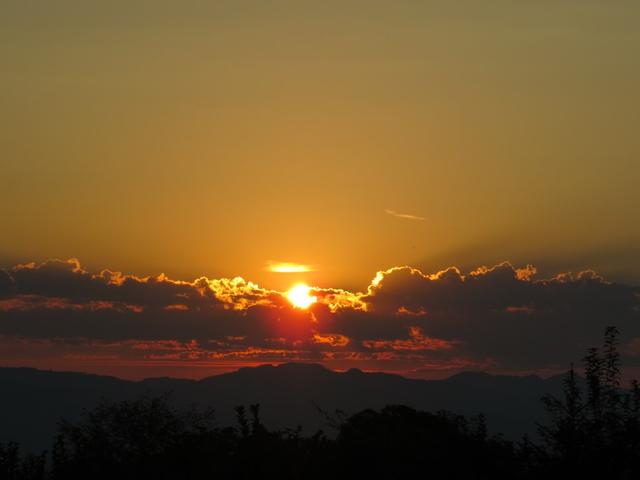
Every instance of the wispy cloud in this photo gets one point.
(287, 267)
(406, 216)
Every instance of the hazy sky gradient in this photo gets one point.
(215, 137)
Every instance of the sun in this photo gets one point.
(299, 296)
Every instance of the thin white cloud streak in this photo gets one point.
(406, 216)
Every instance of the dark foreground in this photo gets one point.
(590, 432)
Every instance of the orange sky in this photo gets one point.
(215, 137)
(339, 138)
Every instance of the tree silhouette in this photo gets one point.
(400, 442)
(146, 438)
(600, 434)
(14, 466)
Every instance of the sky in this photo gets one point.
(217, 139)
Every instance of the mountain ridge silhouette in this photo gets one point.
(290, 394)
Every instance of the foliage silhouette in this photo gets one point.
(597, 434)
(14, 466)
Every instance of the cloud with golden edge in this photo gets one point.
(497, 315)
(332, 339)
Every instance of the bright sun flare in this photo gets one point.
(299, 296)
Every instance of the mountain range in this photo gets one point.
(293, 394)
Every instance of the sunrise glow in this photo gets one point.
(299, 296)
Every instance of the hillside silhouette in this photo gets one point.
(290, 395)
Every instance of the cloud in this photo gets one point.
(498, 317)
(287, 267)
(406, 216)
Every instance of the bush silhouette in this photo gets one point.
(400, 442)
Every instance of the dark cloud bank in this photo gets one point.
(497, 318)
